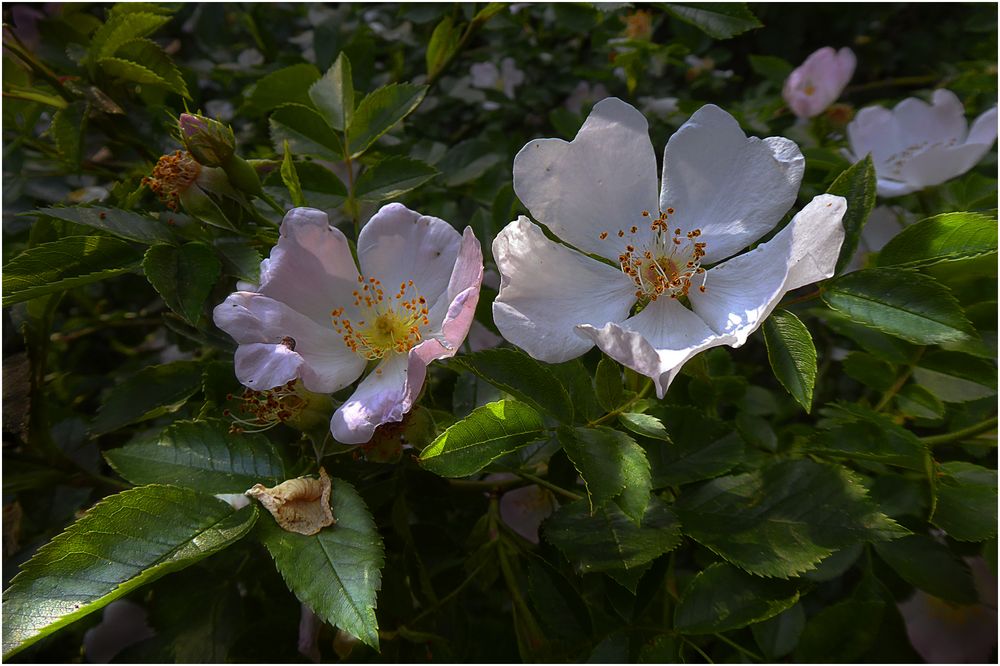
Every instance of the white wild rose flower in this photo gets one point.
(659, 246)
(315, 317)
(918, 145)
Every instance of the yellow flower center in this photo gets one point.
(666, 265)
(390, 325)
(810, 89)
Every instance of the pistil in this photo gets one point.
(392, 324)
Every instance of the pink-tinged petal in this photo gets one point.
(882, 226)
(888, 188)
(741, 292)
(547, 289)
(599, 182)
(481, 338)
(267, 330)
(398, 245)
(731, 187)
(380, 398)
(984, 129)
(524, 509)
(466, 273)
(311, 268)
(657, 341)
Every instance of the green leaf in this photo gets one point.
(333, 94)
(379, 111)
(609, 540)
(121, 223)
(967, 501)
(151, 392)
(489, 432)
(120, 544)
(645, 425)
(521, 376)
(320, 186)
(466, 161)
(858, 185)
(183, 276)
(843, 631)
(442, 46)
(700, 447)
(290, 177)
(719, 20)
(772, 68)
(904, 303)
(917, 402)
(612, 465)
(783, 519)
(779, 635)
(131, 71)
(336, 572)
(240, 258)
(30, 94)
(67, 131)
(943, 238)
(121, 28)
(723, 598)
(306, 132)
(870, 371)
(285, 86)
(930, 566)
(63, 264)
(608, 384)
(202, 455)
(392, 177)
(792, 354)
(859, 433)
(148, 53)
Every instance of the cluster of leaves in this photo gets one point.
(777, 503)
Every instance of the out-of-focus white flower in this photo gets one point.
(316, 318)
(250, 58)
(721, 191)
(506, 78)
(663, 107)
(918, 145)
(122, 625)
(698, 66)
(946, 633)
(221, 109)
(584, 93)
(882, 226)
(818, 82)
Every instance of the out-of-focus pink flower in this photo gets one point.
(524, 509)
(315, 317)
(918, 145)
(122, 625)
(818, 82)
(945, 633)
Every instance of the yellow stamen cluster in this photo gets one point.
(172, 175)
(262, 410)
(394, 322)
(667, 265)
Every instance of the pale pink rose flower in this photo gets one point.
(315, 317)
(818, 82)
(523, 509)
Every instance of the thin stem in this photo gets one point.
(266, 198)
(451, 595)
(624, 408)
(900, 381)
(698, 650)
(959, 435)
(568, 494)
(740, 648)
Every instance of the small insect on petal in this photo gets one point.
(300, 505)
